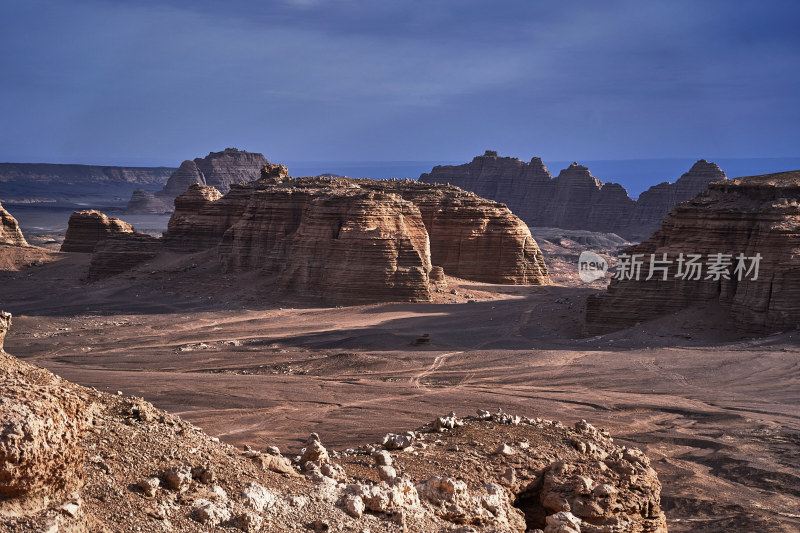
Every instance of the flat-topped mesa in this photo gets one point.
(754, 223)
(87, 228)
(574, 199)
(264, 224)
(218, 169)
(10, 233)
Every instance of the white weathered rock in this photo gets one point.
(314, 451)
(387, 472)
(178, 478)
(382, 457)
(353, 505)
(210, 513)
(563, 522)
(258, 498)
(446, 422)
(149, 486)
(393, 441)
(248, 521)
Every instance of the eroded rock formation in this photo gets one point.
(73, 459)
(657, 201)
(86, 228)
(41, 425)
(472, 237)
(575, 199)
(325, 236)
(9, 230)
(218, 169)
(751, 221)
(144, 202)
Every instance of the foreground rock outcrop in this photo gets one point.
(76, 459)
(575, 199)
(89, 227)
(10, 233)
(218, 169)
(736, 244)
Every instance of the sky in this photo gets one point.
(156, 82)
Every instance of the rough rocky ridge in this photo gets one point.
(10, 233)
(218, 169)
(87, 228)
(574, 199)
(125, 465)
(730, 225)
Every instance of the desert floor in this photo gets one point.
(717, 414)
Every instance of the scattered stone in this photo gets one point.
(248, 521)
(354, 505)
(258, 497)
(210, 513)
(382, 457)
(178, 478)
(149, 486)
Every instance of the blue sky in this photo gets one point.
(106, 81)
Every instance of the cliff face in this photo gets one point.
(575, 199)
(218, 169)
(333, 234)
(472, 237)
(87, 228)
(9, 229)
(757, 217)
(654, 203)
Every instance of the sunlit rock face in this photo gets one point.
(754, 223)
(9, 230)
(353, 240)
(86, 228)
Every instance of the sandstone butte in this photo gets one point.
(575, 199)
(77, 459)
(86, 228)
(342, 238)
(749, 215)
(218, 169)
(9, 229)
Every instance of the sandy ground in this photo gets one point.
(717, 414)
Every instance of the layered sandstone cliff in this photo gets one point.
(745, 236)
(472, 237)
(330, 234)
(657, 201)
(218, 169)
(574, 199)
(86, 228)
(10, 233)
